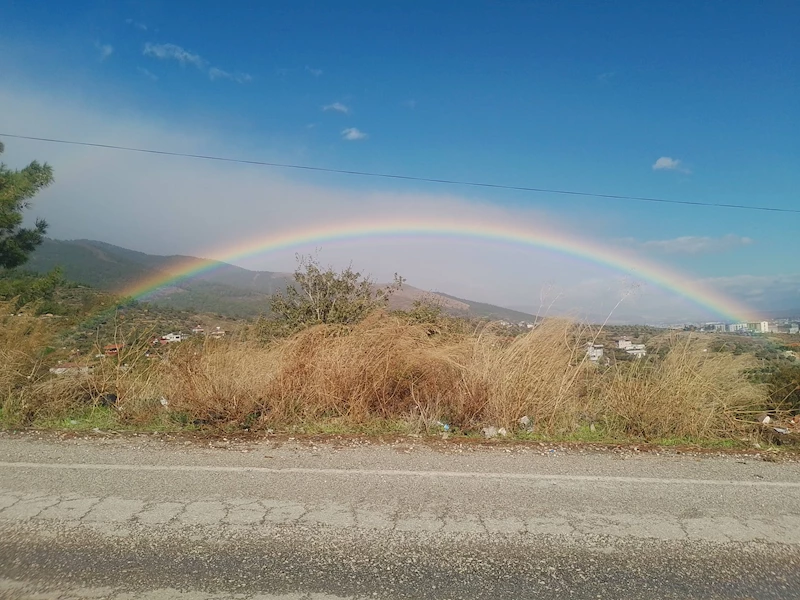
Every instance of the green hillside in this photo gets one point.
(490, 311)
(222, 288)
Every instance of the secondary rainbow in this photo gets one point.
(608, 256)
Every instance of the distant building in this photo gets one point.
(172, 338)
(794, 328)
(594, 352)
(758, 327)
(217, 333)
(637, 350)
(198, 330)
(734, 327)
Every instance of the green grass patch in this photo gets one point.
(86, 419)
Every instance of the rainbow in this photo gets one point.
(584, 249)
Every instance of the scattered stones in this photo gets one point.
(525, 421)
(490, 432)
(502, 432)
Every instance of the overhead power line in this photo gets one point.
(480, 184)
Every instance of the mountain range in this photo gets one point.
(219, 287)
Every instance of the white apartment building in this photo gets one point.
(758, 327)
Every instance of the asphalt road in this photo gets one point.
(144, 517)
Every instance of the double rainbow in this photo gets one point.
(619, 259)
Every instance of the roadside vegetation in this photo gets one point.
(360, 368)
(328, 356)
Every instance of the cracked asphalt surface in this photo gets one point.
(142, 517)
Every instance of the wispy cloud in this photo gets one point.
(105, 50)
(606, 77)
(136, 24)
(174, 52)
(216, 73)
(412, 104)
(692, 244)
(147, 73)
(184, 57)
(337, 107)
(665, 163)
(352, 134)
(314, 72)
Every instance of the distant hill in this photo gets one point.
(490, 311)
(223, 289)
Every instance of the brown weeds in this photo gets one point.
(390, 368)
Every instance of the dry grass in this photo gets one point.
(690, 393)
(393, 370)
(23, 343)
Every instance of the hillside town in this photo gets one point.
(788, 326)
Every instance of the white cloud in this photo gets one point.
(173, 52)
(665, 163)
(337, 107)
(692, 244)
(314, 72)
(184, 57)
(147, 73)
(136, 24)
(215, 73)
(106, 50)
(606, 77)
(352, 134)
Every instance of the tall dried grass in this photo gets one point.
(390, 368)
(23, 343)
(691, 392)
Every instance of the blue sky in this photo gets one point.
(569, 95)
